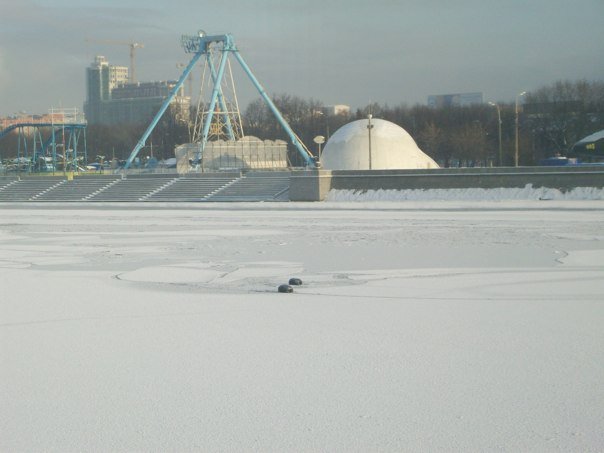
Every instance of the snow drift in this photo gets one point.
(471, 194)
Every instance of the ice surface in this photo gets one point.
(420, 326)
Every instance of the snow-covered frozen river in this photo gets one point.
(420, 326)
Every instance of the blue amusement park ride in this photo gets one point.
(204, 45)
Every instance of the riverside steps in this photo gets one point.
(314, 185)
(29, 188)
(133, 188)
(194, 187)
(296, 185)
(79, 189)
(256, 186)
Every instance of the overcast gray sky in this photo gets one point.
(335, 51)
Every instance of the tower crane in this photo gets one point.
(133, 46)
(189, 79)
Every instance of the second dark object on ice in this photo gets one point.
(295, 281)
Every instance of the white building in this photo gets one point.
(391, 147)
(334, 110)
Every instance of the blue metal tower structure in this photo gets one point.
(227, 121)
(199, 45)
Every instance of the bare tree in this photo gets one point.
(431, 140)
(558, 115)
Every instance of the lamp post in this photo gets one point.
(325, 122)
(369, 127)
(516, 122)
(101, 163)
(319, 140)
(499, 130)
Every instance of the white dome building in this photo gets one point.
(391, 148)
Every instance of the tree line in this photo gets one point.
(550, 120)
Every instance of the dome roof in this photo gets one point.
(391, 148)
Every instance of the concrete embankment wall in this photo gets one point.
(314, 185)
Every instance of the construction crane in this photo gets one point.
(189, 79)
(133, 46)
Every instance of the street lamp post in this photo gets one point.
(516, 122)
(319, 140)
(325, 119)
(499, 130)
(369, 127)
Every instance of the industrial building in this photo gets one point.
(454, 100)
(111, 99)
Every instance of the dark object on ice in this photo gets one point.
(285, 289)
(295, 281)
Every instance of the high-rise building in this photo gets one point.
(102, 78)
(111, 99)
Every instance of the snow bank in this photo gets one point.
(471, 194)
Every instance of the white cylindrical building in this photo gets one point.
(391, 148)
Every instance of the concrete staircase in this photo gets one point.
(29, 189)
(265, 186)
(189, 188)
(254, 186)
(132, 188)
(80, 189)
(7, 181)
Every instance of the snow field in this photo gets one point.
(448, 327)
